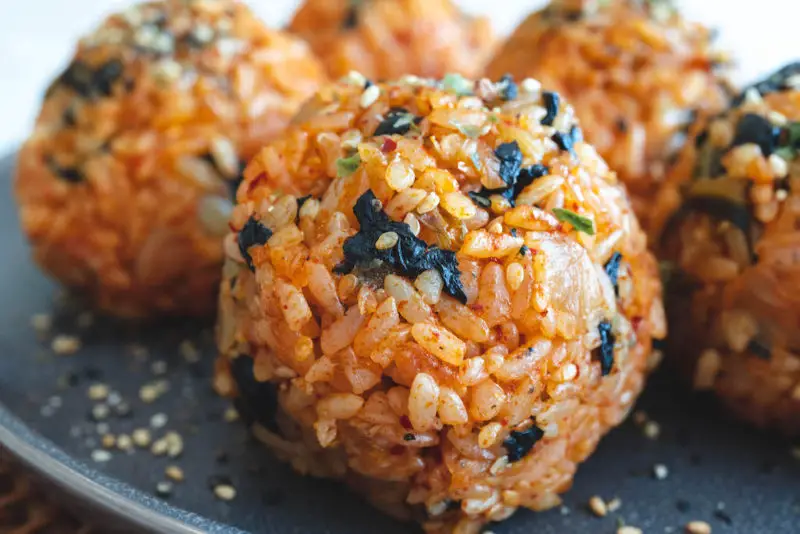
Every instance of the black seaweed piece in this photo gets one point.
(253, 233)
(68, 117)
(753, 128)
(397, 121)
(773, 83)
(525, 178)
(760, 349)
(621, 125)
(410, 257)
(519, 443)
(523, 250)
(567, 142)
(701, 139)
(551, 104)
(683, 506)
(78, 77)
(409, 437)
(607, 341)
(577, 134)
(350, 20)
(234, 183)
(257, 401)
(510, 157)
(723, 516)
(72, 175)
(481, 201)
(660, 344)
(612, 270)
(106, 75)
(510, 89)
(301, 201)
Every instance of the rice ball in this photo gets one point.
(124, 184)
(437, 296)
(730, 234)
(386, 39)
(637, 73)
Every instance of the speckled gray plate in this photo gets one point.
(738, 480)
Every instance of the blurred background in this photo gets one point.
(37, 37)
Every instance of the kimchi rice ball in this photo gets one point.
(636, 72)
(124, 184)
(386, 39)
(438, 293)
(730, 214)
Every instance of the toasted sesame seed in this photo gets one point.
(124, 442)
(354, 78)
(164, 488)
(529, 85)
(698, 527)
(387, 240)
(100, 456)
(629, 530)
(158, 420)
(614, 504)
(41, 322)
(100, 412)
(429, 204)
(97, 391)
(400, 176)
(495, 227)
(189, 352)
(515, 274)
(651, 430)
(159, 447)
(174, 444)
(108, 441)
(174, 472)
(369, 96)
(660, 471)
(65, 345)
(224, 492)
(141, 437)
(148, 394)
(598, 506)
(413, 223)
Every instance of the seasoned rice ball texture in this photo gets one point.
(456, 314)
(636, 72)
(123, 185)
(386, 39)
(731, 236)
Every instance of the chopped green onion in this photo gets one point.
(579, 222)
(347, 166)
(457, 84)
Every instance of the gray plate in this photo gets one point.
(738, 480)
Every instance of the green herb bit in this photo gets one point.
(579, 222)
(457, 84)
(347, 166)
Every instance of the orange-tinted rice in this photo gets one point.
(123, 184)
(387, 381)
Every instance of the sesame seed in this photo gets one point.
(793, 81)
(355, 78)
(102, 428)
(614, 504)
(174, 472)
(98, 391)
(100, 412)
(164, 489)
(231, 415)
(651, 430)
(47, 411)
(698, 527)
(660, 471)
(108, 441)
(158, 367)
(141, 437)
(387, 240)
(159, 447)
(100, 456)
(400, 176)
(413, 223)
(124, 442)
(565, 510)
(309, 209)
(174, 444)
(189, 352)
(496, 227)
(629, 530)
(159, 420)
(429, 204)
(515, 274)
(65, 345)
(41, 322)
(224, 492)
(568, 372)
(598, 506)
(529, 85)
(778, 166)
(369, 96)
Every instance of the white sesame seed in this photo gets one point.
(660, 471)
(141, 437)
(41, 322)
(437, 508)
(101, 456)
(400, 175)
(698, 527)
(753, 96)
(124, 442)
(614, 504)
(189, 352)
(164, 488)
(159, 447)
(529, 85)
(354, 78)
(100, 412)
(174, 444)
(652, 430)
(369, 96)
(413, 223)
(102, 428)
(778, 166)
(225, 157)
(158, 367)
(114, 398)
(224, 492)
(568, 372)
(793, 81)
(429, 204)
(65, 345)
(309, 209)
(231, 415)
(387, 240)
(158, 420)
(565, 510)
(598, 506)
(97, 391)
(174, 472)
(629, 530)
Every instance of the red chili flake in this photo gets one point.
(389, 145)
(252, 185)
(636, 322)
(406, 422)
